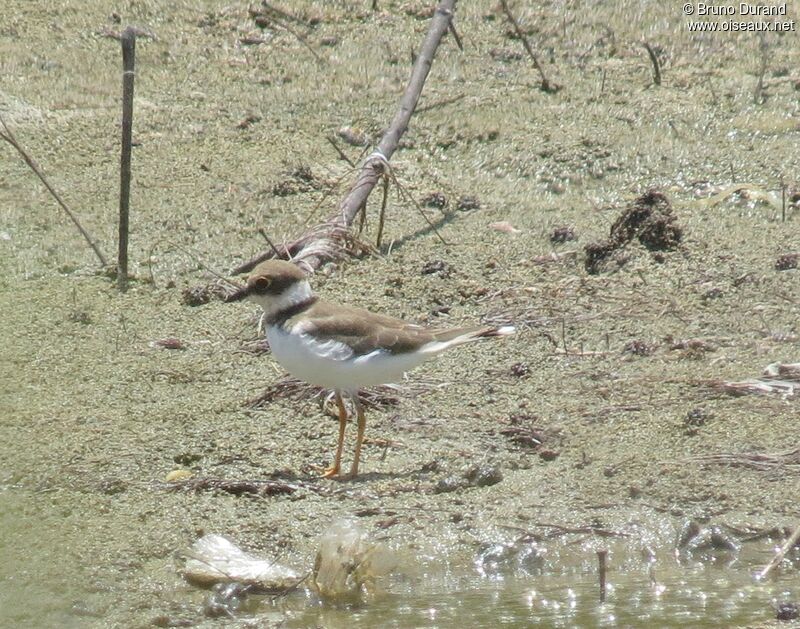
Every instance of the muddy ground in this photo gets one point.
(231, 137)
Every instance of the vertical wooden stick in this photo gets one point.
(783, 200)
(654, 60)
(758, 93)
(128, 39)
(382, 216)
(601, 560)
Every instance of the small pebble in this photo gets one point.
(520, 370)
(225, 600)
(178, 475)
(113, 486)
(484, 475)
(187, 458)
(196, 296)
(435, 199)
(448, 484)
(493, 555)
(689, 530)
(548, 455)
(467, 203)
(169, 621)
(787, 261)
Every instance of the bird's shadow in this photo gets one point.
(364, 477)
(445, 218)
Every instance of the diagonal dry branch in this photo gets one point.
(324, 242)
(9, 137)
(779, 556)
(547, 86)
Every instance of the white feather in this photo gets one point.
(330, 364)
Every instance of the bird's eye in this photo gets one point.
(261, 284)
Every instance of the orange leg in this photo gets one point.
(334, 470)
(362, 424)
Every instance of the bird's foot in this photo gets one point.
(331, 472)
(335, 473)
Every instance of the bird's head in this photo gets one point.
(275, 285)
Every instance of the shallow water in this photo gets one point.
(44, 581)
(700, 596)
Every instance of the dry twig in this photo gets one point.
(441, 103)
(342, 155)
(778, 558)
(547, 86)
(557, 530)
(281, 17)
(755, 387)
(8, 136)
(758, 91)
(778, 379)
(602, 556)
(554, 257)
(754, 460)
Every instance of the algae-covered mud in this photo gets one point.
(496, 473)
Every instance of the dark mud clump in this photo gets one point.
(467, 203)
(436, 200)
(203, 294)
(300, 180)
(562, 234)
(787, 261)
(649, 218)
(475, 476)
(436, 267)
(787, 611)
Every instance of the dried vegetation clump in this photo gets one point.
(649, 219)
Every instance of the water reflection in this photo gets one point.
(698, 596)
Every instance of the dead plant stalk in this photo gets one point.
(547, 86)
(9, 137)
(778, 558)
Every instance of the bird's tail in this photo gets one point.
(450, 338)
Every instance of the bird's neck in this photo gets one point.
(294, 300)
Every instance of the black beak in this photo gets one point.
(237, 295)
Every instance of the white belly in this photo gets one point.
(332, 365)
